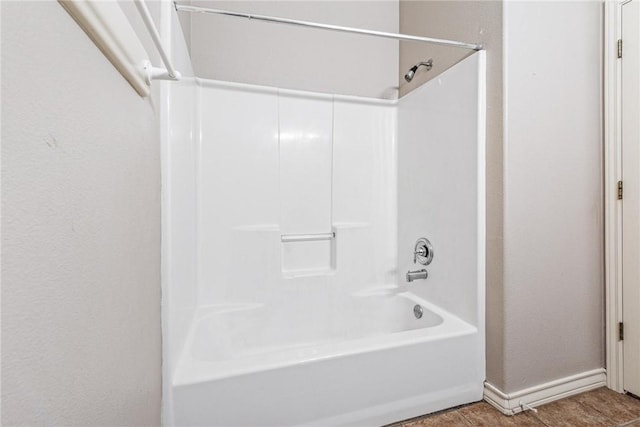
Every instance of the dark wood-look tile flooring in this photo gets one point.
(601, 407)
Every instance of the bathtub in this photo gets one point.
(372, 363)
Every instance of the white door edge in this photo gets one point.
(613, 211)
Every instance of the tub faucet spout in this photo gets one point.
(415, 275)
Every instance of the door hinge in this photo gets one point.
(619, 190)
(619, 48)
(620, 331)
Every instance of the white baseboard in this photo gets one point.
(512, 403)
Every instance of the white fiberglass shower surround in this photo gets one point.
(290, 224)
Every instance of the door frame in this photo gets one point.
(612, 206)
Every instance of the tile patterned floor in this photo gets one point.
(601, 407)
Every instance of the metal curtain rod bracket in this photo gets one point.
(154, 73)
(309, 24)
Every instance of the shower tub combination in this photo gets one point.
(290, 224)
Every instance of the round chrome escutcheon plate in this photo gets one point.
(423, 251)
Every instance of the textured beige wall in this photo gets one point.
(474, 22)
(81, 342)
(553, 208)
(185, 24)
(239, 50)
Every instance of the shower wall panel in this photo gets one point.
(179, 183)
(306, 145)
(441, 187)
(239, 207)
(282, 163)
(306, 140)
(364, 192)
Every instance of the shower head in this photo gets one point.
(412, 71)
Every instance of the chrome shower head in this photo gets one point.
(412, 71)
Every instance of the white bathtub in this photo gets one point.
(373, 363)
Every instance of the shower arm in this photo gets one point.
(428, 64)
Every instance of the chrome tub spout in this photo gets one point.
(415, 275)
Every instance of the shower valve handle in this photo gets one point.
(423, 252)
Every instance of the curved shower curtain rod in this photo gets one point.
(309, 24)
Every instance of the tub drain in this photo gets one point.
(417, 311)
